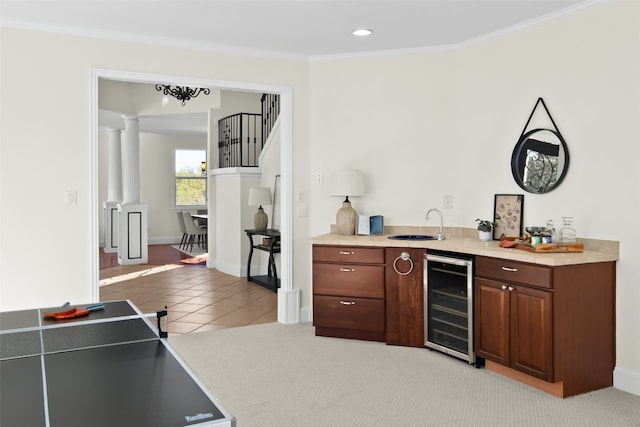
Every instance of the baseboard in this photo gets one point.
(155, 241)
(164, 241)
(306, 315)
(288, 306)
(555, 389)
(626, 380)
(231, 269)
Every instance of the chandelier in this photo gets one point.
(182, 93)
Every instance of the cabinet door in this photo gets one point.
(405, 297)
(491, 318)
(531, 345)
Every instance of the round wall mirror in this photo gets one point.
(540, 160)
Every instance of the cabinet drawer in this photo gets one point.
(348, 313)
(348, 254)
(354, 280)
(514, 271)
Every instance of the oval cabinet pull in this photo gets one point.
(348, 302)
(510, 288)
(504, 287)
(509, 269)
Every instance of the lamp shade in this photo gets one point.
(259, 196)
(347, 183)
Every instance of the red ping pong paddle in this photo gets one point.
(74, 312)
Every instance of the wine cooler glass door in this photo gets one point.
(448, 305)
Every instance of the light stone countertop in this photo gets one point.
(466, 240)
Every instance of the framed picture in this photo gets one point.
(507, 214)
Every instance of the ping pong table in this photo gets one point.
(109, 368)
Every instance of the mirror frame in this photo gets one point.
(518, 175)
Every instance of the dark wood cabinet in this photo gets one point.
(513, 326)
(348, 292)
(404, 296)
(555, 325)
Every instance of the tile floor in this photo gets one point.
(197, 298)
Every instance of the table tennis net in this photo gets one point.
(31, 342)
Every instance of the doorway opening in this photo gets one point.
(286, 304)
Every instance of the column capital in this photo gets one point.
(130, 117)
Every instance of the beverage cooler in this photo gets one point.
(448, 303)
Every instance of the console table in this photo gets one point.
(270, 281)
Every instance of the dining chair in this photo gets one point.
(183, 229)
(194, 232)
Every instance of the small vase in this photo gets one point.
(485, 235)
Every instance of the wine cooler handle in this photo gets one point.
(404, 256)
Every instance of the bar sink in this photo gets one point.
(411, 237)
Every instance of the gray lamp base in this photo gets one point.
(260, 220)
(346, 220)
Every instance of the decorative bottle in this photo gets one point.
(567, 232)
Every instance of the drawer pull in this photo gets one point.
(347, 252)
(348, 302)
(509, 269)
(347, 270)
(510, 288)
(504, 287)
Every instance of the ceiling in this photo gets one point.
(299, 28)
(305, 29)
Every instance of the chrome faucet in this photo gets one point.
(441, 232)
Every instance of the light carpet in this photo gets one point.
(283, 375)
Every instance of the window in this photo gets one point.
(191, 181)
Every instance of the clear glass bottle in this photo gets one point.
(567, 232)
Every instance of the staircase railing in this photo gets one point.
(270, 111)
(240, 140)
(241, 136)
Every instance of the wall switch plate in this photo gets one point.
(70, 197)
(318, 178)
(448, 201)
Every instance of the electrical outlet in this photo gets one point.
(448, 201)
(318, 178)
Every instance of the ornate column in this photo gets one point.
(132, 213)
(114, 195)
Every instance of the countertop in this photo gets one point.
(466, 241)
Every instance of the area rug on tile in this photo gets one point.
(283, 375)
(195, 260)
(195, 250)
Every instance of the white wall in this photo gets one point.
(233, 216)
(46, 126)
(423, 125)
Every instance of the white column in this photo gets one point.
(131, 161)
(132, 213)
(115, 166)
(114, 195)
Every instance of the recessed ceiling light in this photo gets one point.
(362, 32)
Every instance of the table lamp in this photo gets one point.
(347, 183)
(259, 196)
